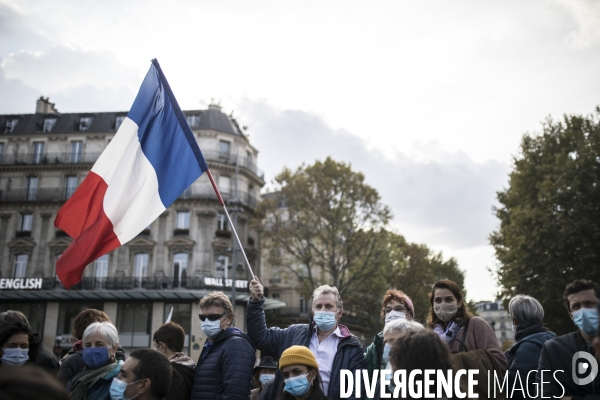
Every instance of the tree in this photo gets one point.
(549, 216)
(324, 224)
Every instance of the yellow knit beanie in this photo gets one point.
(298, 355)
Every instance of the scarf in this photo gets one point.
(180, 358)
(522, 331)
(86, 378)
(450, 332)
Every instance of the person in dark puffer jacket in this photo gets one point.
(349, 353)
(528, 320)
(224, 369)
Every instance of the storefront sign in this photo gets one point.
(20, 283)
(220, 282)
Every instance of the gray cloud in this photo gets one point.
(446, 202)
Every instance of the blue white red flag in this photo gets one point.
(150, 161)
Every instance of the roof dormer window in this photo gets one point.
(10, 125)
(85, 123)
(118, 121)
(193, 120)
(49, 124)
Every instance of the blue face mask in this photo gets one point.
(386, 352)
(95, 357)
(15, 356)
(118, 388)
(586, 319)
(325, 320)
(264, 378)
(297, 386)
(211, 328)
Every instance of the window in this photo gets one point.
(49, 124)
(222, 224)
(101, 267)
(10, 125)
(21, 265)
(248, 160)
(180, 262)
(224, 185)
(224, 148)
(193, 120)
(32, 183)
(303, 306)
(71, 186)
(56, 257)
(1, 151)
(183, 220)
(35, 314)
(38, 152)
(84, 123)
(66, 314)
(133, 324)
(26, 220)
(182, 315)
(141, 265)
(76, 151)
(118, 121)
(222, 266)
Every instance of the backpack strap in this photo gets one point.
(461, 341)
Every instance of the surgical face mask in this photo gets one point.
(392, 315)
(118, 388)
(15, 356)
(445, 312)
(264, 378)
(586, 319)
(95, 357)
(325, 320)
(386, 352)
(211, 328)
(297, 386)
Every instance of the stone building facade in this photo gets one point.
(174, 262)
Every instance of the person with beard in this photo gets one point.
(527, 316)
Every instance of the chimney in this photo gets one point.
(43, 106)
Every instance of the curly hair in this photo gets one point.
(400, 297)
(462, 313)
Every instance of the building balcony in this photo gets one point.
(48, 158)
(19, 195)
(88, 158)
(148, 283)
(208, 193)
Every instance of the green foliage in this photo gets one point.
(549, 231)
(324, 225)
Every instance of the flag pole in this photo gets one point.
(214, 185)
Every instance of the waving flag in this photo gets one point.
(151, 160)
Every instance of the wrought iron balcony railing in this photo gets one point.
(53, 194)
(129, 283)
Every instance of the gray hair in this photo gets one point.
(402, 325)
(326, 289)
(526, 310)
(106, 329)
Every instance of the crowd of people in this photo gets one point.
(306, 360)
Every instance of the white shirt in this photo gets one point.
(325, 353)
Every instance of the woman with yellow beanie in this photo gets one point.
(301, 375)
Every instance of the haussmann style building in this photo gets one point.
(184, 254)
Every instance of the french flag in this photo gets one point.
(150, 161)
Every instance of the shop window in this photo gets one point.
(35, 313)
(134, 323)
(182, 315)
(66, 315)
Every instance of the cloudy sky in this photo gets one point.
(428, 98)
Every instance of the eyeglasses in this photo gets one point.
(388, 310)
(211, 317)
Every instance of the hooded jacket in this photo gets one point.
(557, 354)
(349, 354)
(224, 369)
(523, 357)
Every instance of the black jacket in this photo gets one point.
(224, 370)
(524, 357)
(557, 354)
(181, 383)
(349, 353)
(45, 358)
